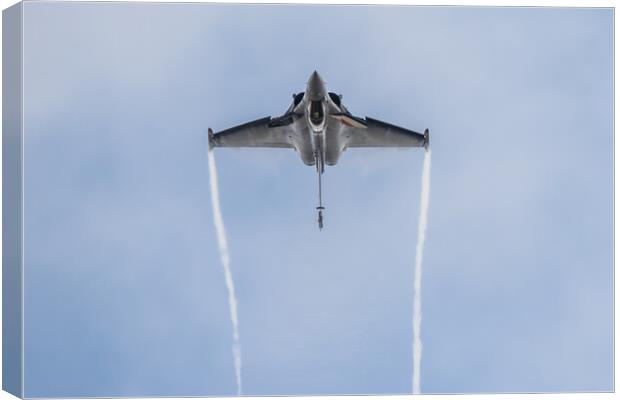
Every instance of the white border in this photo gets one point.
(556, 3)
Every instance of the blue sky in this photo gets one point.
(124, 292)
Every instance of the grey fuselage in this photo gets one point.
(317, 137)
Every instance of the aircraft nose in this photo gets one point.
(314, 77)
(316, 87)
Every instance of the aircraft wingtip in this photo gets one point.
(211, 139)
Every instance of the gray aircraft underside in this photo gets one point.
(319, 127)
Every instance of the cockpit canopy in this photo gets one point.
(316, 112)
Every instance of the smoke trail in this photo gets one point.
(225, 257)
(417, 281)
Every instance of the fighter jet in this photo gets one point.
(319, 127)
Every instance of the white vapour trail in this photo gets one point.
(225, 257)
(417, 281)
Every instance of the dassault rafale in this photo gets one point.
(319, 127)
